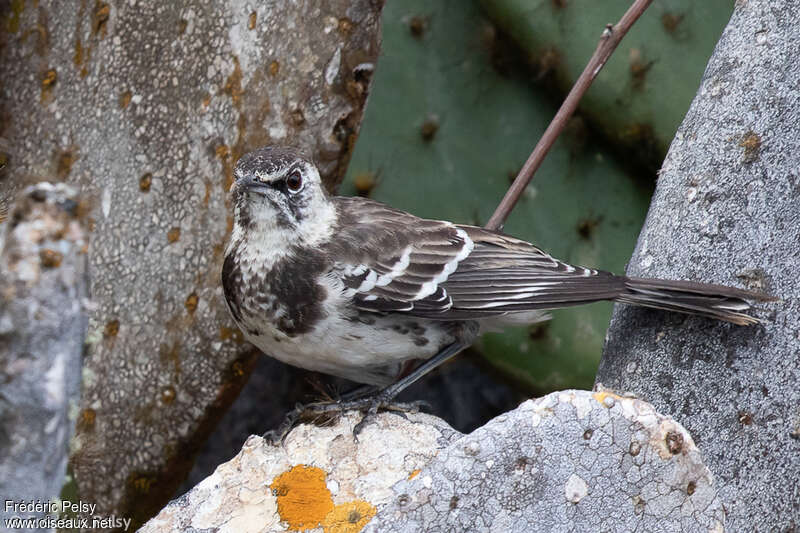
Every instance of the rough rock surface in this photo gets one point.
(727, 210)
(571, 461)
(44, 291)
(146, 106)
(318, 476)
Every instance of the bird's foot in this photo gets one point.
(323, 412)
(370, 406)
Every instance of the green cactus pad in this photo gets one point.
(641, 95)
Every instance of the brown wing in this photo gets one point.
(392, 261)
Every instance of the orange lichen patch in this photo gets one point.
(77, 57)
(111, 329)
(145, 181)
(102, 12)
(64, 162)
(173, 235)
(274, 67)
(50, 258)
(223, 151)
(414, 474)
(233, 85)
(87, 418)
(304, 500)
(251, 21)
(237, 369)
(345, 26)
(49, 80)
(207, 195)
(191, 303)
(350, 517)
(233, 334)
(125, 99)
(600, 396)
(168, 394)
(751, 143)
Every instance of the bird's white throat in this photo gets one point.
(273, 241)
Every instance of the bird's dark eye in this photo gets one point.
(294, 181)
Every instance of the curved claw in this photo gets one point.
(370, 406)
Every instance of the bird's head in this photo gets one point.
(278, 194)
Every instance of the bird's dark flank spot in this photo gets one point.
(420, 341)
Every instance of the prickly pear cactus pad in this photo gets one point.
(641, 95)
(446, 129)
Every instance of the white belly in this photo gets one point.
(366, 353)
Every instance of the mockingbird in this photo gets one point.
(354, 288)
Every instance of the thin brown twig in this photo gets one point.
(611, 37)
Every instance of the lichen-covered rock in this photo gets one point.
(320, 478)
(727, 210)
(571, 461)
(146, 106)
(44, 289)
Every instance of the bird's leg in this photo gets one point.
(384, 399)
(365, 398)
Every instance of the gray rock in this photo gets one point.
(44, 289)
(727, 210)
(571, 461)
(146, 107)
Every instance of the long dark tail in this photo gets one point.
(704, 299)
